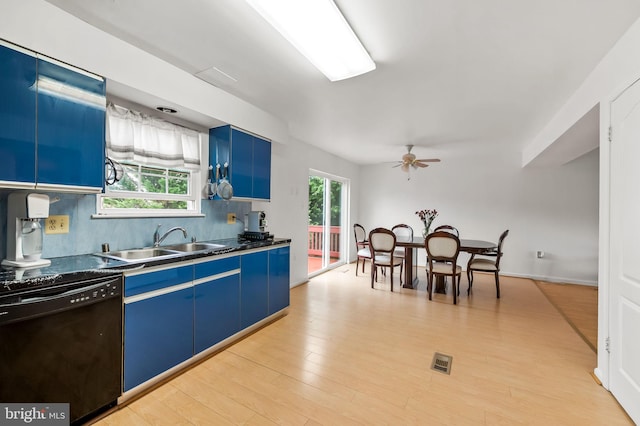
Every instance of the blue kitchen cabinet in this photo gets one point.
(261, 168)
(254, 288)
(242, 163)
(278, 279)
(219, 145)
(217, 301)
(71, 127)
(249, 159)
(52, 124)
(17, 116)
(158, 323)
(157, 280)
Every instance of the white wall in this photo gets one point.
(617, 70)
(287, 211)
(484, 193)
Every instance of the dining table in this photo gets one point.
(466, 245)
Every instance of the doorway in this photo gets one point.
(327, 215)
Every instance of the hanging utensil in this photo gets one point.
(207, 186)
(113, 171)
(213, 186)
(225, 190)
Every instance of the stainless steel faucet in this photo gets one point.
(157, 239)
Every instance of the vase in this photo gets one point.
(425, 232)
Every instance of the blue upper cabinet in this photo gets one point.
(261, 168)
(242, 163)
(249, 160)
(17, 118)
(52, 124)
(71, 127)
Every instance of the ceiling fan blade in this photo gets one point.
(397, 165)
(419, 164)
(429, 160)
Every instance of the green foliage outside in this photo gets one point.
(149, 180)
(316, 201)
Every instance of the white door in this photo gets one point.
(624, 282)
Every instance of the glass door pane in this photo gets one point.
(326, 238)
(316, 224)
(335, 216)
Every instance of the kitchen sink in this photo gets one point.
(157, 253)
(191, 247)
(141, 254)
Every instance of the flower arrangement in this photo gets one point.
(427, 216)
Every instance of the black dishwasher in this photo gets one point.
(63, 344)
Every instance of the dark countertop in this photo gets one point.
(81, 267)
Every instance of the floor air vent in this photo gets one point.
(441, 363)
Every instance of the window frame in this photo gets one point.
(193, 199)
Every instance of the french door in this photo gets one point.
(327, 215)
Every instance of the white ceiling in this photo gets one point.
(448, 72)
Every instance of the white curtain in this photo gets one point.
(133, 136)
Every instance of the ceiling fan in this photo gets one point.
(409, 161)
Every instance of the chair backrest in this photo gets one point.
(500, 243)
(360, 234)
(448, 228)
(382, 241)
(442, 246)
(403, 232)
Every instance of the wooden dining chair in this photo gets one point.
(382, 244)
(443, 249)
(448, 228)
(487, 262)
(362, 246)
(403, 232)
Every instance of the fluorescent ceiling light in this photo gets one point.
(319, 31)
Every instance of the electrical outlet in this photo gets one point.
(231, 218)
(57, 225)
(539, 254)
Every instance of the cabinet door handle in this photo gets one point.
(216, 277)
(156, 293)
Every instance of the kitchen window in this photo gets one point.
(153, 167)
(150, 191)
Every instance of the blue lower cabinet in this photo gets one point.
(217, 311)
(172, 314)
(254, 288)
(278, 279)
(158, 335)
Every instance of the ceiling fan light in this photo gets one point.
(320, 32)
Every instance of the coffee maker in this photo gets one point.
(24, 231)
(255, 227)
(256, 221)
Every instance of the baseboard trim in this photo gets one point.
(551, 279)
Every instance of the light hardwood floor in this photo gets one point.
(348, 354)
(579, 306)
